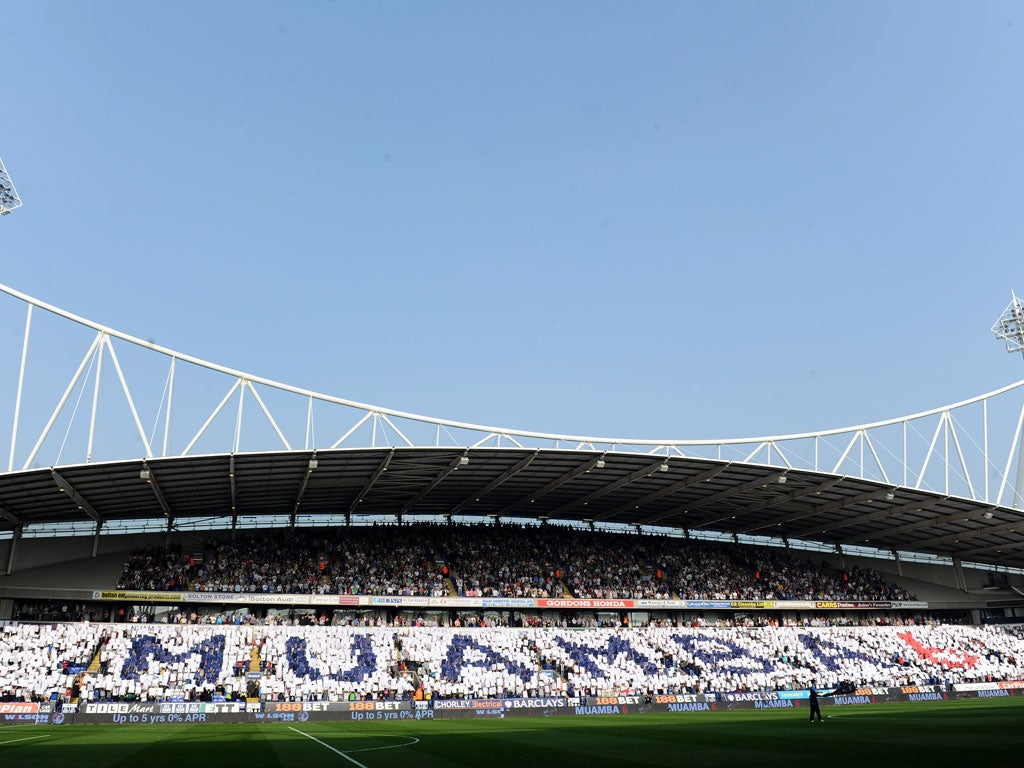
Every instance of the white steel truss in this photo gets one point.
(970, 449)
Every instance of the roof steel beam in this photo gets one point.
(782, 498)
(8, 514)
(647, 471)
(381, 469)
(668, 490)
(950, 517)
(65, 485)
(508, 473)
(970, 534)
(871, 517)
(458, 461)
(302, 486)
(149, 476)
(860, 498)
(718, 496)
(564, 478)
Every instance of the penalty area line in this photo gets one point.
(24, 738)
(328, 746)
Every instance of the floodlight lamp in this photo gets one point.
(9, 199)
(313, 464)
(890, 496)
(987, 515)
(663, 467)
(1010, 325)
(599, 464)
(463, 461)
(144, 474)
(781, 479)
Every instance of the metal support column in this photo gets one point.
(14, 548)
(96, 538)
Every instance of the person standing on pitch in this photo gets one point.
(815, 709)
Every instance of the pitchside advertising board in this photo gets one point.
(168, 713)
(401, 601)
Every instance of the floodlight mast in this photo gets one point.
(1010, 325)
(1010, 328)
(9, 199)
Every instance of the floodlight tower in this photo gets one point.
(1010, 325)
(9, 199)
(1010, 328)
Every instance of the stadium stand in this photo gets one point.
(175, 662)
(489, 561)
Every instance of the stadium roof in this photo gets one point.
(512, 483)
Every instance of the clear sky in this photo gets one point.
(643, 219)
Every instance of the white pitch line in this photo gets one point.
(390, 746)
(25, 738)
(325, 744)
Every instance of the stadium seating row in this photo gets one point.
(159, 661)
(490, 561)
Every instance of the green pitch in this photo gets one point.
(982, 732)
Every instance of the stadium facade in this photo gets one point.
(932, 499)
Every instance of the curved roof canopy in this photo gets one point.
(513, 483)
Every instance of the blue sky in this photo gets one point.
(649, 220)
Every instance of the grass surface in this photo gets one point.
(978, 732)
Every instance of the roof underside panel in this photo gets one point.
(523, 483)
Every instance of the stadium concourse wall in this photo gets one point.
(147, 713)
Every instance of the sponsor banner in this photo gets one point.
(508, 602)
(415, 602)
(196, 707)
(921, 689)
(600, 709)
(305, 706)
(682, 698)
(751, 696)
(576, 603)
(775, 704)
(137, 596)
(27, 718)
(460, 602)
(854, 699)
(338, 600)
(121, 708)
(250, 598)
(661, 604)
(692, 706)
(600, 701)
(874, 691)
(18, 708)
(794, 694)
(959, 687)
(1012, 684)
(548, 702)
(440, 704)
(376, 706)
(422, 601)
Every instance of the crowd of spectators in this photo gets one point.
(496, 561)
(160, 661)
